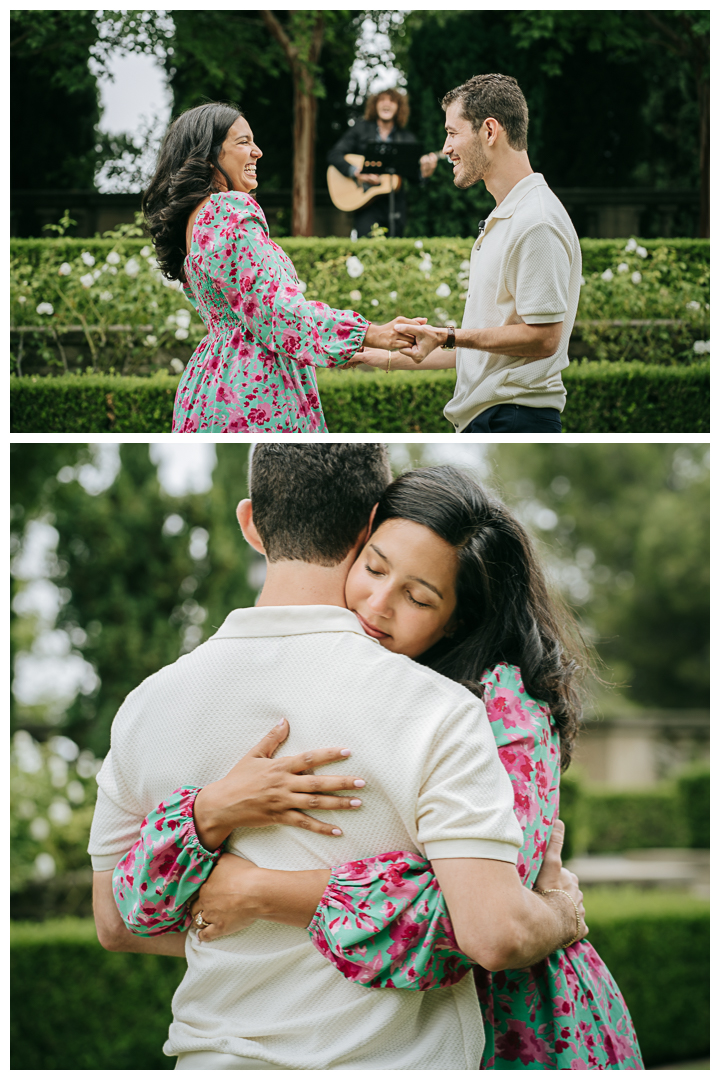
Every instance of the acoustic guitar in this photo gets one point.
(348, 195)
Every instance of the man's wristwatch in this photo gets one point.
(450, 339)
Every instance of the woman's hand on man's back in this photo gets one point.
(261, 790)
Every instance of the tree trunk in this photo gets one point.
(303, 206)
(303, 65)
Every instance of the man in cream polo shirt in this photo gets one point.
(525, 275)
(265, 997)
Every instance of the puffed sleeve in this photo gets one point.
(163, 869)
(259, 283)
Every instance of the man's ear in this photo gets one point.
(245, 520)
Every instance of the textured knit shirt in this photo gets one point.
(435, 785)
(525, 267)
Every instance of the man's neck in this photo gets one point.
(506, 173)
(298, 584)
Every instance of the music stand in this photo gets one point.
(399, 159)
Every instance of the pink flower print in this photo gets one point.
(578, 1063)
(246, 280)
(236, 422)
(291, 341)
(213, 362)
(344, 330)
(616, 1046)
(204, 239)
(234, 298)
(406, 934)
(306, 358)
(507, 706)
(190, 424)
(313, 399)
(250, 306)
(518, 761)
(259, 415)
(236, 340)
(225, 394)
(521, 1042)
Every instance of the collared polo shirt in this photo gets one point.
(435, 785)
(525, 267)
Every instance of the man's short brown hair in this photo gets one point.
(496, 96)
(311, 501)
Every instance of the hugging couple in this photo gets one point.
(421, 918)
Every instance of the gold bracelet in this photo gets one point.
(387, 369)
(579, 934)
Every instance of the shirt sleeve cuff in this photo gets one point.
(106, 862)
(471, 849)
(532, 320)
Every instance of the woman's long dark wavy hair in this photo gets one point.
(186, 173)
(504, 611)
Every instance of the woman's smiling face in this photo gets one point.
(402, 587)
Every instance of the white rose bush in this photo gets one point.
(101, 285)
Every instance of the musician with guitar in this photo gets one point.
(370, 192)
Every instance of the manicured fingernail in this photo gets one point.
(345, 753)
(337, 832)
(281, 724)
(358, 783)
(356, 802)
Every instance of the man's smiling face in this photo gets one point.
(464, 148)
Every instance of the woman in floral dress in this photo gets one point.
(255, 369)
(382, 921)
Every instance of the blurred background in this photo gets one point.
(125, 556)
(619, 106)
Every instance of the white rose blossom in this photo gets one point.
(631, 244)
(354, 267)
(146, 251)
(642, 252)
(113, 258)
(636, 277)
(151, 340)
(87, 280)
(356, 296)
(22, 299)
(393, 295)
(132, 268)
(693, 305)
(623, 268)
(582, 280)
(374, 303)
(177, 365)
(64, 269)
(607, 275)
(107, 296)
(43, 309)
(181, 333)
(701, 346)
(418, 243)
(87, 258)
(443, 290)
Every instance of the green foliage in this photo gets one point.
(112, 1010)
(52, 798)
(622, 821)
(694, 793)
(658, 949)
(143, 576)
(99, 1010)
(602, 397)
(628, 540)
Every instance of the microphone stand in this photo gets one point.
(391, 211)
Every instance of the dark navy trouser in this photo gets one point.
(514, 418)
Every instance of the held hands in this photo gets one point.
(260, 791)
(387, 336)
(553, 875)
(425, 339)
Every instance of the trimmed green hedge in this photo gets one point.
(671, 815)
(101, 1010)
(602, 397)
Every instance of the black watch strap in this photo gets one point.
(450, 340)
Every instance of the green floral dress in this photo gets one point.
(383, 922)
